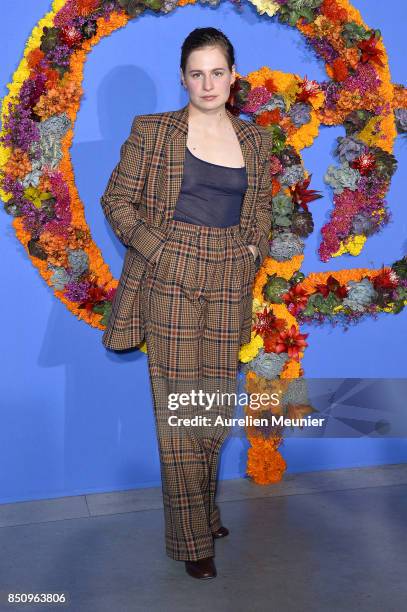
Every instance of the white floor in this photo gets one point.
(319, 541)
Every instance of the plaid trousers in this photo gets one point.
(193, 305)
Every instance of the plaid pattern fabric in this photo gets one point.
(193, 310)
(140, 199)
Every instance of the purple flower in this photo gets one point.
(77, 291)
(364, 80)
(60, 55)
(32, 89)
(332, 93)
(10, 185)
(20, 129)
(33, 218)
(324, 49)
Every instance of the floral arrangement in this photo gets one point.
(38, 188)
(360, 96)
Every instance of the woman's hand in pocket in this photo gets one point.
(254, 249)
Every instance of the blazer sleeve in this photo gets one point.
(122, 196)
(263, 208)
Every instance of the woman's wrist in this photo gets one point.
(254, 249)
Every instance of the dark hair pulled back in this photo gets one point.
(206, 37)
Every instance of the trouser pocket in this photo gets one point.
(245, 262)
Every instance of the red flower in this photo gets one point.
(296, 299)
(332, 285)
(34, 58)
(383, 280)
(270, 85)
(339, 69)
(301, 195)
(268, 117)
(308, 89)
(231, 103)
(333, 11)
(291, 342)
(95, 295)
(370, 53)
(365, 163)
(71, 36)
(85, 7)
(276, 167)
(53, 77)
(270, 342)
(267, 323)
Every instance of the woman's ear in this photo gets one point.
(182, 78)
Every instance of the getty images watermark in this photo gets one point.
(253, 400)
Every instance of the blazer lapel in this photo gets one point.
(175, 157)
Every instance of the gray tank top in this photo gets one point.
(210, 194)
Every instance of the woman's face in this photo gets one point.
(207, 74)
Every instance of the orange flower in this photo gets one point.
(52, 77)
(44, 183)
(399, 96)
(18, 164)
(270, 85)
(85, 7)
(273, 116)
(333, 12)
(54, 246)
(339, 69)
(276, 186)
(60, 98)
(264, 463)
(34, 57)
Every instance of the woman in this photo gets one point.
(191, 200)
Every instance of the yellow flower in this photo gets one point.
(266, 6)
(371, 132)
(352, 245)
(57, 5)
(388, 308)
(304, 135)
(249, 351)
(36, 196)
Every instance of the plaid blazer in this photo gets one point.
(140, 199)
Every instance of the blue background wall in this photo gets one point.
(75, 418)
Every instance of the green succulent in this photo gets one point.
(132, 7)
(356, 121)
(352, 33)
(400, 267)
(135, 7)
(282, 208)
(295, 9)
(35, 250)
(386, 163)
(275, 287)
(317, 303)
(49, 39)
(279, 138)
(105, 309)
(296, 278)
(302, 224)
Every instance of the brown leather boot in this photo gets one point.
(202, 568)
(221, 532)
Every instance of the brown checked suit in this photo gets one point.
(140, 199)
(188, 289)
